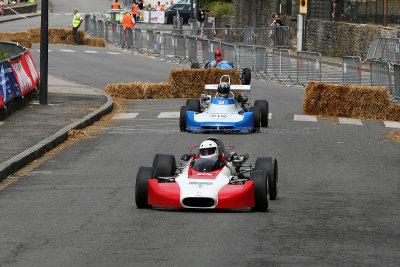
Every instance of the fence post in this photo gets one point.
(228, 33)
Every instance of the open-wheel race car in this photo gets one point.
(224, 111)
(213, 178)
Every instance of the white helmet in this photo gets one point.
(208, 149)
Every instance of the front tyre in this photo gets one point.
(259, 177)
(164, 165)
(271, 166)
(182, 118)
(256, 118)
(143, 176)
(263, 105)
(193, 105)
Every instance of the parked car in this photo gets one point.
(183, 11)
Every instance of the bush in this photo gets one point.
(4, 55)
(220, 8)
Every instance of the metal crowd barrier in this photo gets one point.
(229, 53)
(129, 37)
(207, 55)
(246, 59)
(351, 70)
(281, 67)
(169, 48)
(150, 41)
(157, 43)
(121, 32)
(380, 74)
(101, 28)
(308, 67)
(114, 28)
(248, 36)
(94, 28)
(192, 47)
(214, 46)
(106, 31)
(390, 49)
(138, 39)
(397, 81)
(280, 37)
(87, 24)
(180, 47)
(261, 59)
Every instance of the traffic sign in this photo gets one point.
(303, 6)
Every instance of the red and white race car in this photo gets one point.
(211, 178)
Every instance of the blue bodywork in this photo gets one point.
(222, 65)
(247, 124)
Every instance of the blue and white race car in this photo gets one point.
(225, 111)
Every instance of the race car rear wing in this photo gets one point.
(234, 87)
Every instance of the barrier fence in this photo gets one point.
(380, 74)
(281, 67)
(397, 81)
(351, 70)
(18, 74)
(308, 67)
(384, 48)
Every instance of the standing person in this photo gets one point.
(201, 16)
(115, 5)
(159, 7)
(277, 31)
(166, 6)
(76, 23)
(134, 9)
(127, 21)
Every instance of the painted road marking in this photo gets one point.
(305, 118)
(125, 116)
(392, 124)
(350, 121)
(91, 52)
(56, 14)
(113, 53)
(68, 51)
(68, 14)
(269, 116)
(168, 115)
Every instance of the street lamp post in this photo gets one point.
(44, 52)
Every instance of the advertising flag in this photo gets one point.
(9, 88)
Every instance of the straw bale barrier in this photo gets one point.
(19, 37)
(354, 101)
(56, 36)
(183, 83)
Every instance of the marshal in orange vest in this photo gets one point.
(127, 21)
(115, 5)
(134, 8)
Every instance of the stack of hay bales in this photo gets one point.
(354, 101)
(19, 37)
(183, 83)
(99, 42)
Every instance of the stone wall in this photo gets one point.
(28, 8)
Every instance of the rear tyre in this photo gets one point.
(195, 65)
(193, 105)
(259, 177)
(143, 176)
(263, 105)
(271, 166)
(256, 118)
(182, 118)
(164, 165)
(246, 76)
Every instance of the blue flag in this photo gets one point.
(9, 88)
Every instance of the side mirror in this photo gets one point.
(229, 157)
(186, 157)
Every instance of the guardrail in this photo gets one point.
(20, 75)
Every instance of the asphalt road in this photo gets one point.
(338, 199)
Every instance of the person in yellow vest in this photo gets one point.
(134, 9)
(115, 5)
(76, 23)
(166, 6)
(159, 7)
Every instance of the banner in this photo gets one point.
(23, 73)
(157, 17)
(144, 16)
(8, 84)
(32, 68)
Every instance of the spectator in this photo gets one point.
(76, 23)
(277, 31)
(201, 16)
(166, 5)
(159, 7)
(141, 6)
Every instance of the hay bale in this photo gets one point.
(190, 83)
(158, 90)
(18, 37)
(393, 112)
(34, 33)
(354, 101)
(64, 36)
(126, 90)
(99, 42)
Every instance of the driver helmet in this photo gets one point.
(208, 149)
(217, 53)
(224, 89)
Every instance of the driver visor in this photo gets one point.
(207, 151)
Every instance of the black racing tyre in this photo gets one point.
(193, 105)
(143, 176)
(182, 118)
(195, 65)
(164, 165)
(246, 76)
(263, 104)
(259, 177)
(256, 118)
(271, 166)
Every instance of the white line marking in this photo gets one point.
(67, 50)
(392, 124)
(113, 53)
(350, 121)
(125, 116)
(91, 52)
(168, 115)
(68, 14)
(269, 116)
(305, 118)
(56, 14)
